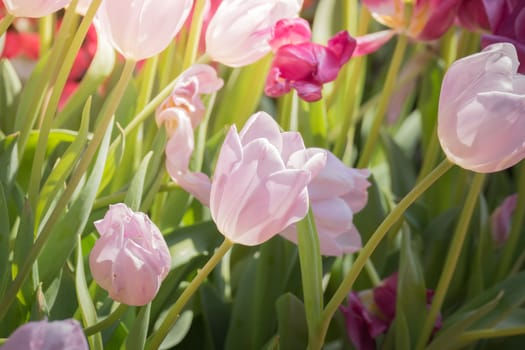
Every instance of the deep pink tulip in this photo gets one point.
(140, 29)
(507, 24)
(481, 115)
(181, 113)
(33, 8)
(336, 194)
(501, 219)
(131, 257)
(472, 15)
(44, 335)
(238, 33)
(303, 65)
(259, 184)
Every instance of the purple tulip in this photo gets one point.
(473, 16)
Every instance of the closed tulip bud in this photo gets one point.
(34, 9)
(259, 184)
(239, 32)
(131, 258)
(481, 117)
(44, 335)
(140, 29)
(336, 194)
(501, 219)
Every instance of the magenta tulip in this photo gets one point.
(140, 29)
(501, 219)
(473, 16)
(44, 335)
(33, 8)
(259, 185)
(238, 33)
(481, 114)
(131, 257)
(336, 194)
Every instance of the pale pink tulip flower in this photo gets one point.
(336, 194)
(239, 31)
(259, 185)
(131, 257)
(481, 116)
(82, 6)
(44, 335)
(181, 113)
(501, 219)
(139, 29)
(33, 8)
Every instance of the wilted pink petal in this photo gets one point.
(140, 29)
(501, 219)
(44, 335)
(290, 31)
(239, 32)
(336, 193)
(131, 258)
(369, 43)
(254, 193)
(481, 114)
(32, 8)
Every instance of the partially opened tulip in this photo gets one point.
(481, 115)
(131, 257)
(32, 8)
(239, 31)
(139, 29)
(44, 335)
(336, 194)
(259, 184)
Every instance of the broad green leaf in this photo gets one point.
(179, 330)
(10, 88)
(5, 267)
(215, 314)
(291, 319)
(402, 174)
(134, 193)
(9, 161)
(23, 243)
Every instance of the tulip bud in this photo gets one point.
(32, 8)
(501, 219)
(140, 29)
(131, 258)
(259, 184)
(239, 31)
(336, 194)
(481, 114)
(44, 335)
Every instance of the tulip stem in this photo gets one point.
(108, 321)
(516, 225)
(6, 22)
(384, 101)
(452, 258)
(192, 46)
(173, 313)
(366, 252)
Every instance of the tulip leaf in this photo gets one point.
(5, 267)
(10, 87)
(138, 332)
(87, 309)
(23, 243)
(402, 173)
(135, 190)
(215, 313)
(8, 161)
(72, 224)
(291, 319)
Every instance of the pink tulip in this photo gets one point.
(239, 31)
(481, 115)
(140, 29)
(33, 8)
(131, 258)
(44, 335)
(501, 219)
(473, 16)
(259, 185)
(336, 194)
(303, 65)
(181, 112)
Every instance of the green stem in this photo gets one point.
(518, 217)
(6, 22)
(46, 28)
(384, 101)
(105, 116)
(366, 252)
(311, 275)
(51, 106)
(108, 321)
(452, 259)
(192, 46)
(471, 336)
(174, 312)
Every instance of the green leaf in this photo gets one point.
(292, 327)
(134, 194)
(216, 314)
(8, 161)
(5, 267)
(10, 88)
(402, 173)
(72, 224)
(138, 332)
(23, 243)
(179, 330)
